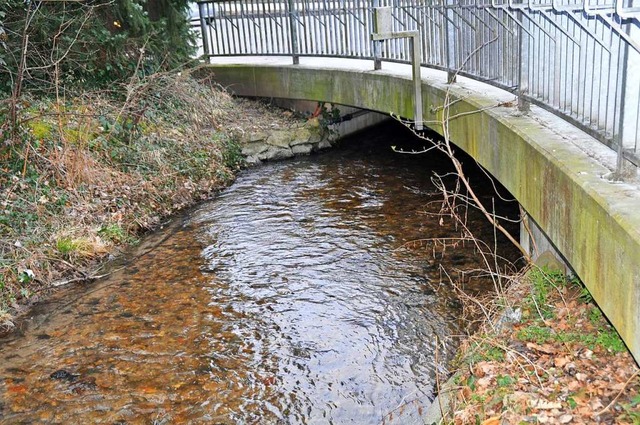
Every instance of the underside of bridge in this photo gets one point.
(593, 222)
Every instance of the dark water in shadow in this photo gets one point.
(288, 299)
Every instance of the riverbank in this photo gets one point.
(92, 174)
(544, 354)
(87, 175)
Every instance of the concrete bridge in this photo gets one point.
(546, 120)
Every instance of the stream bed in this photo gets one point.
(311, 291)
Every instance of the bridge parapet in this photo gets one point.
(577, 59)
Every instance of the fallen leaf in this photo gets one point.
(483, 369)
(542, 418)
(544, 404)
(483, 383)
(495, 420)
(560, 361)
(565, 419)
(586, 354)
(545, 348)
(518, 400)
(465, 393)
(17, 389)
(585, 411)
(596, 404)
(581, 376)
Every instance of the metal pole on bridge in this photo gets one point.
(449, 40)
(523, 67)
(382, 31)
(204, 28)
(618, 136)
(377, 51)
(293, 32)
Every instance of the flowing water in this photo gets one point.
(304, 293)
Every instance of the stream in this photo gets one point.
(311, 291)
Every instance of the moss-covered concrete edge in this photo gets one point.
(593, 222)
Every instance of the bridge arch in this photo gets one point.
(548, 165)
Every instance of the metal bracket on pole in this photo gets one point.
(382, 31)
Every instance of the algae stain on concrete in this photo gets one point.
(541, 171)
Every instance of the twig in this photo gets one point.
(401, 405)
(637, 373)
(79, 279)
(438, 388)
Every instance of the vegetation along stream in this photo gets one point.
(304, 293)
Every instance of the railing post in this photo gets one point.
(293, 32)
(623, 168)
(377, 51)
(450, 41)
(523, 73)
(415, 46)
(205, 33)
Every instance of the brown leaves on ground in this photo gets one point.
(566, 368)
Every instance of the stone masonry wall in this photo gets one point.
(299, 139)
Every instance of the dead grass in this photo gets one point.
(91, 173)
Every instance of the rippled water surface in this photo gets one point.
(291, 298)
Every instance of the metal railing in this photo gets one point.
(577, 59)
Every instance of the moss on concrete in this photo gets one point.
(592, 221)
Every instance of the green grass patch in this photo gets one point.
(632, 410)
(537, 334)
(66, 246)
(484, 352)
(605, 338)
(543, 282)
(114, 233)
(504, 380)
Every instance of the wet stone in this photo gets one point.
(63, 375)
(274, 153)
(83, 385)
(280, 139)
(302, 135)
(257, 137)
(302, 149)
(324, 144)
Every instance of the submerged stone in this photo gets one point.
(63, 375)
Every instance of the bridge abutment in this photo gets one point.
(556, 172)
(540, 248)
